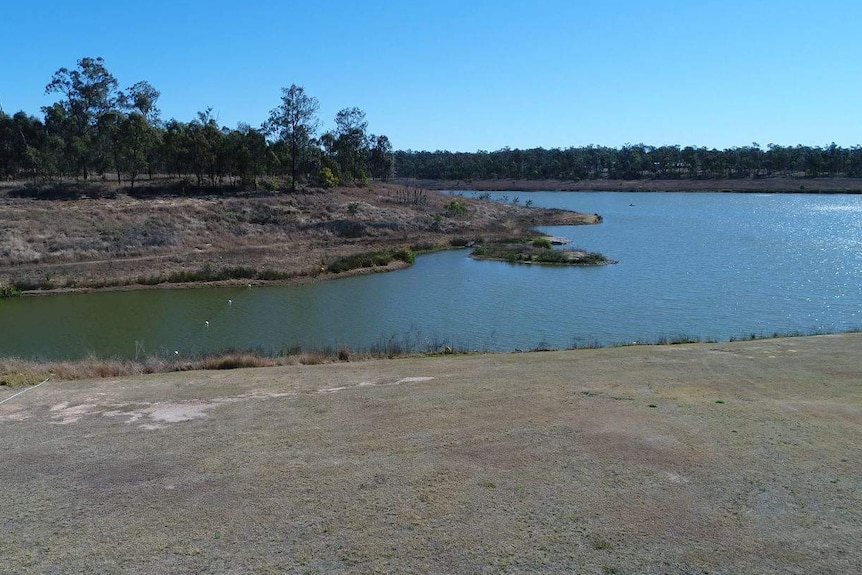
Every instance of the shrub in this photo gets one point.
(543, 243)
(328, 179)
(406, 256)
(456, 208)
(7, 290)
(370, 260)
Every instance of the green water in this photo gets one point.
(699, 265)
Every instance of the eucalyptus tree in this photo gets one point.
(206, 141)
(351, 142)
(382, 161)
(88, 92)
(135, 146)
(141, 98)
(294, 123)
(248, 149)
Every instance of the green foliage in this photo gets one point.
(7, 290)
(543, 243)
(370, 260)
(527, 253)
(295, 124)
(456, 208)
(328, 179)
(637, 162)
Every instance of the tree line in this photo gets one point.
(632, 162)
(97, 128)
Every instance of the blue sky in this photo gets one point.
(463, 75)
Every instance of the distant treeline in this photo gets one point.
(97, 129)
(633, 162)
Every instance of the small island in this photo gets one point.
(537, 251)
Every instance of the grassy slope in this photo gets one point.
(119, 239)
(719, 458)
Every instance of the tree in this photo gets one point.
(89, 92)
(382, 161)
(295, 123)
(205, 145)
(142, 98)
(351, 142)
(137, 138)
(247, 146)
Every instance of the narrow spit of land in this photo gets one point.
(98, 236)
(719, 458)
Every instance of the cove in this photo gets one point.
(708, 266)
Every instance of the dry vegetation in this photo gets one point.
(685, 459)
(18, 373)
(98, 236)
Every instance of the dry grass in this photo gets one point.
(705, 458)
(118, 240)
(17, 372)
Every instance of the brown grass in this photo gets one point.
(117, 240)
(706, 458)
(17, 372)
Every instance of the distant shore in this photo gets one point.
(784, 185)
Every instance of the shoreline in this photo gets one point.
(778, 185)
(122, 243)
(17, 372)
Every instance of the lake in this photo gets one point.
(708, 266)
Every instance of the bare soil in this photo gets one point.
(98, 236)
(703, 458)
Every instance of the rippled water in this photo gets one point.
(712, 266)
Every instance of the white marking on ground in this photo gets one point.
(675, 477)
(412, 380)
(157, 413)
(15, 414)
(132, 416)
(333, 389)
(71, 414)
(401, 381)
(176, 412)
(13, 396)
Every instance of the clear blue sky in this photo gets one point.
(468, 75)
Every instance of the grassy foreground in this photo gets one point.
(721, 458)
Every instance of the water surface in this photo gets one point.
(711, 266)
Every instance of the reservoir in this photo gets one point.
(700, 265)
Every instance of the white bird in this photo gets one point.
(230, 301)
(207, 323)
(176, 352)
